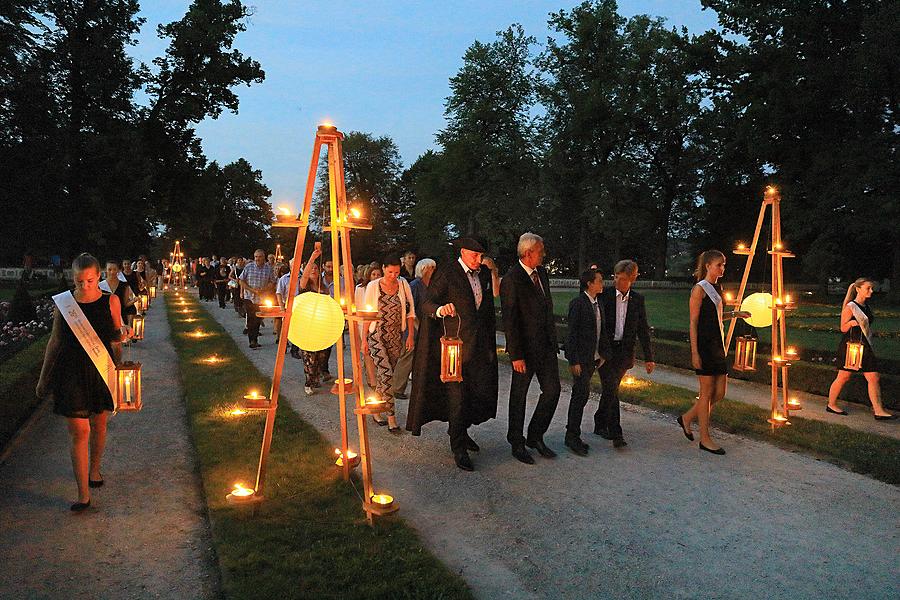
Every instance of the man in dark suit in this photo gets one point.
(459, 299)
(626, 320)
(531, 345)
(587, 348)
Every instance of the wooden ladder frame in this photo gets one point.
(779, 361)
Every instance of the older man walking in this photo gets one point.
(256, 279)
(531, 345)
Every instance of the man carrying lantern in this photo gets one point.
(459, 306)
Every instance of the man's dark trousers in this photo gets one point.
(581, 389)
(547, 371)
(252, 321)
(611, 373)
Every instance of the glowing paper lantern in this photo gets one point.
(176, 268)
(759, 306)
(317, 322)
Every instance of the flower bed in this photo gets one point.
(16, 336)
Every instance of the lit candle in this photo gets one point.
(792, 351)
(128, 389)
(237, 412)
(383, 500)
(741, 247)
(629, 380)
(793, 403)
(452, 352)
(728, 297)
(253, 395)
(242, 492)
(352, 456)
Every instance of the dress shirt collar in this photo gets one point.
(624, 296)
(466, 268)
(593, 300)
(528, 270)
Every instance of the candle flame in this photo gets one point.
(238, 412)
(240, 490)
(284, 210)
(268, 303)
(354, 212)
(629, 380)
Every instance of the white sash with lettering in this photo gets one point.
(862, 319)
(88, 339)
(717, 300)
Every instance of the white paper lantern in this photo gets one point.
(317, 322)
(759, 306)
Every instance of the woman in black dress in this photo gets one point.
(122, 290)
(707, 334)
(70, 377)
(857, 318)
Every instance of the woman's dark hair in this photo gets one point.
(85, 261)
(587, 277)
(283, 270)
(391, 260)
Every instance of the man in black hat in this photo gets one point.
(460, 299)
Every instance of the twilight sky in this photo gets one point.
(378, 66)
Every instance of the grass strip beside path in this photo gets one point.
(309, 538)
(871, 454)
(18, 378)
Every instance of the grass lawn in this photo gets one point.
(309, 538)
(668, 309)
(18, 378)
(874, 455)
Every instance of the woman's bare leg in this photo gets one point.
(98, 443)
(80, 431)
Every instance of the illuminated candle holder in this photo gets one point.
(215, 359)
(741, 249)
(152, 291)
(730, 299)
(189, 320)
(777, 419)
(367, 314)
(794, 404)
(128, 390)
(238, 412)
(166, 287)
(353, 458)
(198, 334)
(779, 361)
(137, 327)
(745, 354)
(255, 401)
(372, 406)
(242, 495)
(629, 380)
(853, 358)
(284, 218)
(143, 303)
(269, 309)
(381, 504)
(335, 388)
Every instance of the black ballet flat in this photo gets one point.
(80, 506)
(719, 452)
(885, 417)
(395, 430)
(686, 433)
(379, 423)
(95, 483)
(843, 413)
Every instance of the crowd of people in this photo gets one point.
(418, 302)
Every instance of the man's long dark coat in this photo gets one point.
(430, 398)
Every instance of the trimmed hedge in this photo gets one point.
(18, 379)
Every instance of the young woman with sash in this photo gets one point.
(79, 370)
(857, 319)
(708, 352)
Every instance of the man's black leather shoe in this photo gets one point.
(577, 446)
(522, 454)
(542, 448)
(602, 432)
(619, 443)
(463, 461)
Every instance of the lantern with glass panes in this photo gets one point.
(137, 327)
(745, 353)
(152, 291)
(854, 356)
(451, 354)
(128, 391)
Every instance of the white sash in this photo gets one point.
(862, 319)
(88, 339)
(717, 300)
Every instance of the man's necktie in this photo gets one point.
(536, 280)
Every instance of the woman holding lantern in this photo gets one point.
(855, 349)
(707, 333)
(81, 387)
(384, 339)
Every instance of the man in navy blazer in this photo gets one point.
(626, 322)
(531, 345)
(587, 348)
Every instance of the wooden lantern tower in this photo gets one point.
(178, 275)
(343, 219)
(782, 303)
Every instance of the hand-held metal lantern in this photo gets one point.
(137, 327)
(853, 360)
(745, 353)
(451, 355)
(128, 390)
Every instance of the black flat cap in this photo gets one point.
(468, 244)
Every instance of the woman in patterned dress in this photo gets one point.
(384, 342)
(314, 362)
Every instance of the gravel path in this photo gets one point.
(146, 534)
(658, 519)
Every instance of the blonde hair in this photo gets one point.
(703, 260)
(854, 288)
